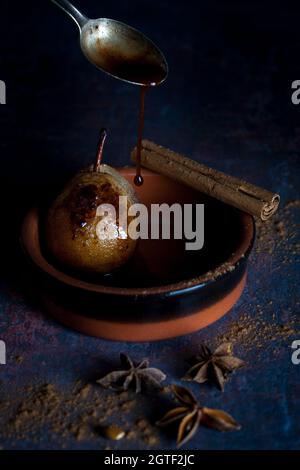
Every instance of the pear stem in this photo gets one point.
(103, 134)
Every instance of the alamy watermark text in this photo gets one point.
(161, 221)
(296, 354)
(2, 352)
(2, 92)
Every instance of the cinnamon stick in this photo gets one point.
(234, 191)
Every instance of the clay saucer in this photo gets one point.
(164, 291)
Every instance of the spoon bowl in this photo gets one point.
(118, 49)
(123, 52)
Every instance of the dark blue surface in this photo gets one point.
(227, 103)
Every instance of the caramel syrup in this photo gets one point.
(138, 179)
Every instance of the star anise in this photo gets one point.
(132, 374)
(215, 366)
(192, 415)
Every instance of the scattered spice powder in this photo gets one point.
(280, 232)
(144, 430)
(78, 413)
(267, 324)
(19, 359)
(254, 332)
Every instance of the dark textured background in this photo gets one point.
(227, 102)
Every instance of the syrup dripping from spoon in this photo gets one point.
(138, 179)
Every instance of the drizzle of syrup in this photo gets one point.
(138, 179)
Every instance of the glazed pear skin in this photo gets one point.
(71, 222)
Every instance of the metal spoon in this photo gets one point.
(118, 49)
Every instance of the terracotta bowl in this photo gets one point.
(165, 290)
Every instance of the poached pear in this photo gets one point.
(71, 224)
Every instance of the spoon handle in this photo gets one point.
(75, 14)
